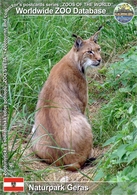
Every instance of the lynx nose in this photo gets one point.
(98, 62)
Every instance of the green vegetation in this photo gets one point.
(35, 44)
(118, 122)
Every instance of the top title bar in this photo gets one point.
(66, 8)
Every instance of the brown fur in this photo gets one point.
(63, 135)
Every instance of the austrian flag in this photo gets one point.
(13, 184)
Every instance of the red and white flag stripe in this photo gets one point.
(13, 184)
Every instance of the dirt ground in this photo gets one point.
(31, 162)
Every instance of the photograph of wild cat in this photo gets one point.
(62, 135)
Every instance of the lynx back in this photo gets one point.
(61, 134)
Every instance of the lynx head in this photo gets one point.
(88, 51)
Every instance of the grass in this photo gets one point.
(116, 124)
(35, 44)
(120, 82)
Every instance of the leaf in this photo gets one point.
(133, 173)
(110, 141)
(135, 123)
(100, 174)
(130, 110)
(118, 191)
(121, 150)
(125, 90)
(133, 186)
(134, 88)
(134, 57)
(132, 156)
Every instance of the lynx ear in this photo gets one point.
(78, 43)
(95, 37)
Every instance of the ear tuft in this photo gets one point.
(100, 28)
(95, 36)
(73, 35)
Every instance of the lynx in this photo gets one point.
(62, 135)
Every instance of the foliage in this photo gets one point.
(119, 118)
(35, 44)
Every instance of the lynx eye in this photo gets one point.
(91, 52)
(99, 49)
